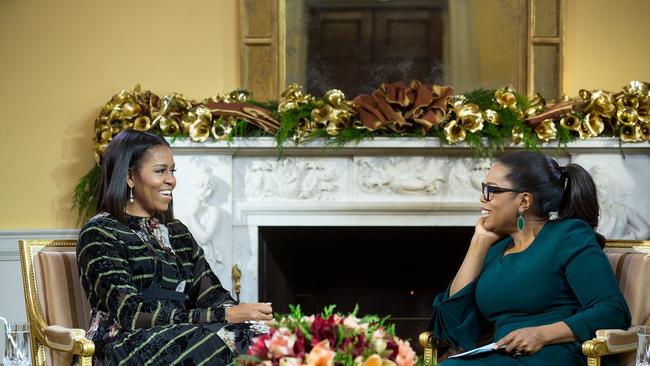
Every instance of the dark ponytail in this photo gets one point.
(562, 192)
(580, 198)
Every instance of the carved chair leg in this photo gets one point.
(593, 361)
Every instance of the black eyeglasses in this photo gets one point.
(489, 191)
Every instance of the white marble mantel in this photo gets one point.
(225, 191)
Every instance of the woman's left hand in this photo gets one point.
(524, 341)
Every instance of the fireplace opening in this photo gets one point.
(394, 271)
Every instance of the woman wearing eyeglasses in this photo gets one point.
(534, 270)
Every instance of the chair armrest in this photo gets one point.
(431, 345)
(60, 338)
(610, 341)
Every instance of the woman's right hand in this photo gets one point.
(486, 236)
(245, 312)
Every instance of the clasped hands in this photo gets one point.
(524, 341)
(251, 311)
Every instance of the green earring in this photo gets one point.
(520, 221)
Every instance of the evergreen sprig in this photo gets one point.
(84, 198)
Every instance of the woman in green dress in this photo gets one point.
(534, 270)
(154, 298)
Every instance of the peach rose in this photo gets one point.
(405, 356)
(281, 344)
(320, 355)
(309, 319)
(290, 361)
(354, 323)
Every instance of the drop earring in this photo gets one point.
(521, 224)
(130, 194)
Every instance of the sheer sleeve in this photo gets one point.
(206, 290)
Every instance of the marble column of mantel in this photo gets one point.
(226, 191)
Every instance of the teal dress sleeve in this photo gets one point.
(590, 276)
(456, 318)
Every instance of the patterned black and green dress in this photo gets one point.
(154, 298)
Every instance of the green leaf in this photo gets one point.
(84, 198)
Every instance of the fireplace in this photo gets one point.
(274, 216)
(393, 271)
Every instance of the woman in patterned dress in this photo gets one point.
(154, 298)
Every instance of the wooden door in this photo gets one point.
(355, 48)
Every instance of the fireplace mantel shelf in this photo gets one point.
(385, 146)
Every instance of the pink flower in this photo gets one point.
(406, 355)
(281, 343)
(378, 334)
(321, 355)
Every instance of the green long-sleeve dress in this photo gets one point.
(154, 298)
(562, 276)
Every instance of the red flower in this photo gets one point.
(355, 344)
(391, 345)
(299, 346)
(258, 348)
(323, 329)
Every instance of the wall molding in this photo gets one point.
(9, 239)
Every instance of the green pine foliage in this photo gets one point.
(84, 198)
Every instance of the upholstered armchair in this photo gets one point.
(630, 260)
(57, 308)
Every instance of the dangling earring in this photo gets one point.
(130, 194)
(520, 221)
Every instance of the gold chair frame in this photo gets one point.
(594, 348)
(41, 333)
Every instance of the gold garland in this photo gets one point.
(417, 108)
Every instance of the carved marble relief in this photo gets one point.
(400, 175)
(292, 179)
(465, 178)
(203, 184)
(623, 194)
(440, 178)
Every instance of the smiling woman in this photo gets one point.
(154, 298)
(151, 182)
(537, 227)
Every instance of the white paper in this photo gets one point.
(476, 351)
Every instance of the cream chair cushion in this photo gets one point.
(61, 296)
(632, 270)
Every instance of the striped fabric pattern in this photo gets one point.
(117, 269)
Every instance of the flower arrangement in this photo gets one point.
(328, 339)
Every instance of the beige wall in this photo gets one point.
(60, 61)
(605, 44)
